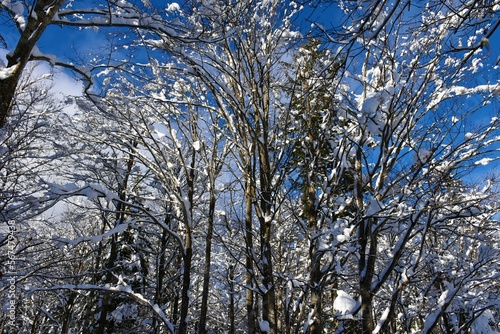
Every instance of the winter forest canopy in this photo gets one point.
(249, 166)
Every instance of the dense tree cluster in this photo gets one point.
(250, 167)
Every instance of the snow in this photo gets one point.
(370, 105)
(196, 145)
(101, 190)
(176, 141)
(264, 326)
(442, 93)
(124, 311)
(291, 34)
(20, 21)
(161, 314)
(96, 238)
(482, 324)
(322, 245)
(430, 320)
(17, 8)
(125, 289)
(117, 229)
(374, 207)
(422, 156)
(372, 109)
(61, 189)
(6, 72)
(442, 302)
(172, 7)
(90, 190)
(381, 321)
(37, 53)
(344, 303)
(484, 161)
(90, 193)
(309, 321)
(159, 96)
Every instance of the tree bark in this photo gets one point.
(269, 295)
(208, 254)
(186, 284)
(249, 277)
(161, 272)
(230, 279)
(310, 211)
(188, 244)
(366, 277)
(367, 251)
(68, 313)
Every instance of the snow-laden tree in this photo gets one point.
(27, 155)
(417, 117)
(265, 177)
(30, 154)
(312, 88)
(157, 157)
(25, 25)
(241, 70)
(137, 256)
(31, 23)
(395, 141)
(96, 176)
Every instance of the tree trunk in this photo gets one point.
(175, 309)
(316, 295)
(113, 255)
(161, 273)
(7, 92)
(43, 13)
(68, 313)
(102, 325)
(310, 211)
(186, 284)
(249, 277)
(188, 244)
(261, 140)
(367, 270)
(269, 296)
(366, 309)
(230, 279)
(367, 251)
(208, 255)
